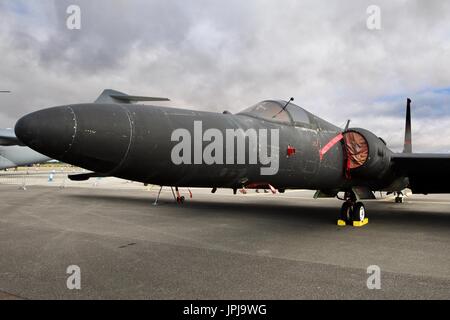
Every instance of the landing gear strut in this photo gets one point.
(352, 212)
(157, 197)
(178, 197)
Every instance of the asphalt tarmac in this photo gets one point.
(217, 246)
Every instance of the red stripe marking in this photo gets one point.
(330, 144)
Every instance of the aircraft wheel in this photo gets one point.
(398, 199)
(346, 211)
(359, 212)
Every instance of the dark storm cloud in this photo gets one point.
(218, 55)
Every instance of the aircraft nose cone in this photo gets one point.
(94, 136)
(49, 131)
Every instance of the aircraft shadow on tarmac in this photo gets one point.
(382, 213)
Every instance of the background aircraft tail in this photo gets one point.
(113, 96)
(407, 148)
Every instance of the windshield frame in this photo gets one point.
(311, 124)
(248, 112)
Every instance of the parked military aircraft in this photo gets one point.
(274, 144)
(13, 153)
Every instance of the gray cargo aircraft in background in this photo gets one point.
(13, 153)
(285, 147)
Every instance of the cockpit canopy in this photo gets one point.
(272, 110)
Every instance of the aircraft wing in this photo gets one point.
(15, 156)
(427, 172)
(8, 138)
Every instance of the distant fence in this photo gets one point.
(58, 177)
(34, 176)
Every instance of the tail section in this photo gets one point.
(407, 148)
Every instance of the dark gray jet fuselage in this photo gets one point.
(135, 142)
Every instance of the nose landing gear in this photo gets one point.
(352, 212)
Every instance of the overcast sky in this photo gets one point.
(227, 55)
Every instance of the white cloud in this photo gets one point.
(216, 55)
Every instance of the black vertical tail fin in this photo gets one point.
(407, 148)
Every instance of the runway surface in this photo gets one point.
(255, 246)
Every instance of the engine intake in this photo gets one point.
(367, 155)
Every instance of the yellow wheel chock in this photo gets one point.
(343, 223)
